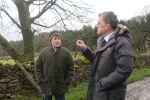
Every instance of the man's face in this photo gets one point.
(101, 26)
(56, 41)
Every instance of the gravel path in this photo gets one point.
(139, 90)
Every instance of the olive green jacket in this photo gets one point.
(54, 70)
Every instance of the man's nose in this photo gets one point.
(96, 25)
(57, 39)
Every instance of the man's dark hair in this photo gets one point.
(110, 18)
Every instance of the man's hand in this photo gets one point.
(81, 44)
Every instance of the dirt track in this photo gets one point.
(139, 90)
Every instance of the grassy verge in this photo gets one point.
(139, 74)
(33, 96)
(77, 93)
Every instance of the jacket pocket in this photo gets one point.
(126, 52)
(123, 52)
(62, 82)
(98, 83)
(43, 87)
(103, 95)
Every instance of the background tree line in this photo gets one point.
(69, 38)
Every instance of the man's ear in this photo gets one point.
(108, 26)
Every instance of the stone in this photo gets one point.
(4, 80)
(3, 86)
(12, 96)
(18, 88)
(8, 95)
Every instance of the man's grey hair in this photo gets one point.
(110, 18)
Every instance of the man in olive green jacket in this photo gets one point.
(54, 69)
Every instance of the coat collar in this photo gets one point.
(111, 41)
(52, 49)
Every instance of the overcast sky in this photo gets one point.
(125, 9)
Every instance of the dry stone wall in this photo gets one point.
(13, 80)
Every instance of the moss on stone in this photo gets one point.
(2, 96)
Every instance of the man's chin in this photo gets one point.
(98, 33)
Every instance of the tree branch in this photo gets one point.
(45, 25)
(30, 2)
(10, 17)
(8, 47)
(45, 8)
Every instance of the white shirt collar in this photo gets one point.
(108, 36)
(55, 49)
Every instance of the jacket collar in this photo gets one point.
(52, 49)
(111, 41)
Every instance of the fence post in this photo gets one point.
(28, 76)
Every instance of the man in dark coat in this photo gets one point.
(54, 69)
(112, 61)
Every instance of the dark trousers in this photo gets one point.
(49, 97)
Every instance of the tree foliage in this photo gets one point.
(140, 28)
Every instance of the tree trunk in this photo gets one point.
(9, 48)
(28, 54)
(28, 35)
(28, 46)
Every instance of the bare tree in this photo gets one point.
(36, 15)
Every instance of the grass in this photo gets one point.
(77, 93)
(139, 74)
(12, 62)
(31, 96)
(144, 53)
